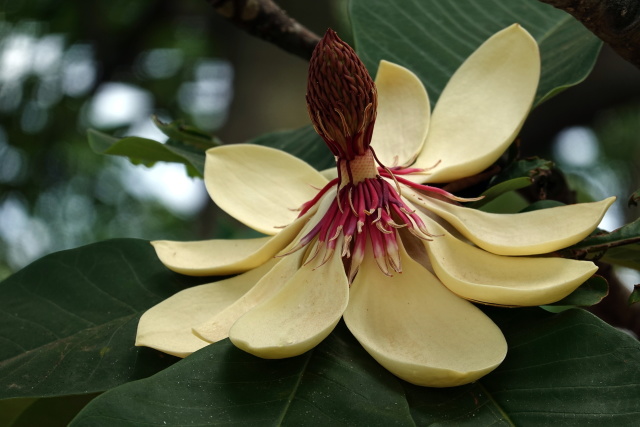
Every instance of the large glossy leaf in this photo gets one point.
(433, 37)
(562, 369)
(49, 412)
(68, 321)
(334, 384)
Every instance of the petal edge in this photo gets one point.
(483, 107)
(259, 186)
(420, 331)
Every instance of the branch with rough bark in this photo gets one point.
(616, 22)
(266, 20)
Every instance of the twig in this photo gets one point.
(265, 19)
(616, 22)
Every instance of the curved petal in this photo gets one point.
(220, 257)
(483, 106)
(529, 233)
(259, 186)
(501, 280)
(403, 115)
(299, 316)
(419, 330)
(167, 325)
(217, 326)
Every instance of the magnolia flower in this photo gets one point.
(399, 260)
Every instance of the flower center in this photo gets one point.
(366, 207)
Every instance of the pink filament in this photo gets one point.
(370, 209)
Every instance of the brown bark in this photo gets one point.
(266, 20)
(616, 22)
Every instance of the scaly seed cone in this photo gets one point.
(341, 97)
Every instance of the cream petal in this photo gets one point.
(299, 316)
(221, 257)
(502, 280)
(529, 233)
(419, 330)
(167, 325)
(330, 173)
(217, 326)
(403, 115)
(259, 186)
(483, 107)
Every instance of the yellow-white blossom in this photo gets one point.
(397, 258)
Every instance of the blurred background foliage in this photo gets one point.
(69, 66)
(109, 65)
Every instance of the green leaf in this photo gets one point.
(602, 241)
(499, 189)
(178, 131)
(562, 369)
(542, 204)
(589, 293)
(543, 378)
(625, 256)
(334, 384)
(11, 409)
(68, 321)
(634, 298)
(532, 168)
(147, 151)
(50, 412)
(519, 174)
(303, 143)
(433, 37)
(634, 198)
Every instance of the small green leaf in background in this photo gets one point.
(191, 136)
(532, 168)
(147, 151)
(519, 174)
(69, 319)
(542, 204)
(568, 369)
(634, 199)
(618, 247)
(304, 143)
(589, 293)
(433, 37)
(635, 295)
(624, 256)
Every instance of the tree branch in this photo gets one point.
(616, 22)
(265, 19)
